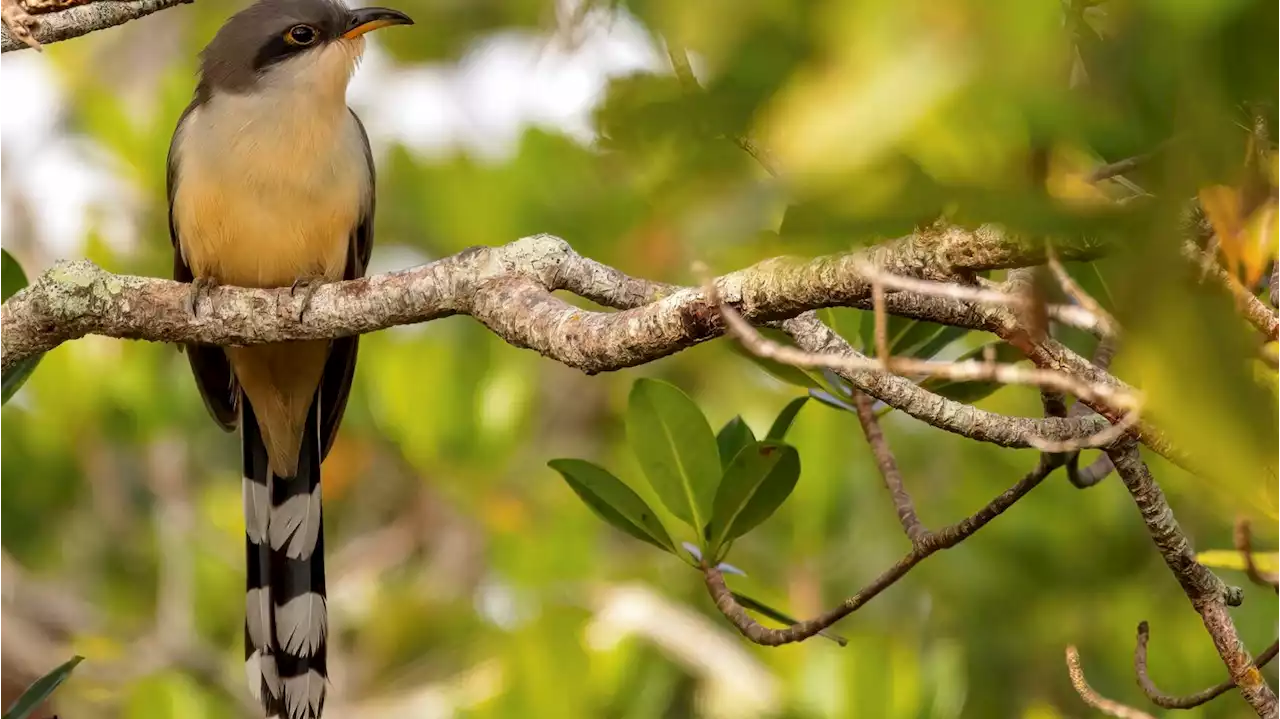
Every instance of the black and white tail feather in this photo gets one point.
(286, 615)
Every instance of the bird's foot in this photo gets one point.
(307, 286)
(199, 286)
(19, 22)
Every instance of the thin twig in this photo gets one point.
(970, 370)
(931, 543)
(888, 465)
(1117, 168)
(1244, 544)
(1253, 309)
(1189, 701)
(1093, 698)
(1078, 317)
(1082, 298)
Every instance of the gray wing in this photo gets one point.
(208, 363)
(340, 368)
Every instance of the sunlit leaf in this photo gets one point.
(733, 436)
(12, 279)
(786, 417)
(760, 607)
(675, 447)
(613, 501)
(1248, 243)
(41, 689)
(1231, 559)
(758, 481)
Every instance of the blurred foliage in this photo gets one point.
(464, 571)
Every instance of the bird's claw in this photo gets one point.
(19, 22)
(308, 287)
(199, 286)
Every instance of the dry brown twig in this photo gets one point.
(1092, 697)
(929, 544)
(969, 370)
(1107, 323)
(1244, 544)
(1078, 317)
(1189, 701)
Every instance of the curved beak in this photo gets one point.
(371, 18)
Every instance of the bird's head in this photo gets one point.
(309, 46)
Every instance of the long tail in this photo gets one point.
(286, 615)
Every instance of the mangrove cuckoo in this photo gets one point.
(271, 184)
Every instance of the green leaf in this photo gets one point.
(42, 688)
(613, 501)
(785, 418)
(760, 607)
(733, 436)
(939, 342)
(12, 279)
(912, 337)
(758, 481)
(970, 391)
(676, 449)
(784, 372)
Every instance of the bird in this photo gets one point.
(271, 184)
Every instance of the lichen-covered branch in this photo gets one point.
(71, 22)
(510, 290)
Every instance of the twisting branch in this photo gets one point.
(1208, 595)
(1189, 701)
(931, 543)
(71, 22)
(1252, 308)
(1092, 697)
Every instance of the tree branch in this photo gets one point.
(1208, 595)
(1189, 701)
(508, 288)
(931, 543)
(1092, 697)
(84, 19)
(888, 465)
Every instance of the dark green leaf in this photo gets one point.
(732, 438)
(613, 501)
(676, 449)
(786, 417)
(42, 688)
(912, 337)
(971, 391)
(758, 481)
(12, 279)
(783, 372)
(939, 342)
(759, 607)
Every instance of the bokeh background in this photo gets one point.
(465, 577)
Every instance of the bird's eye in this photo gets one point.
(301, 35)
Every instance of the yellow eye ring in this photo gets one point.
(301, 35)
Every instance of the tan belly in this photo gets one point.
(251, 237)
